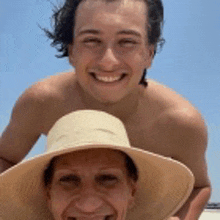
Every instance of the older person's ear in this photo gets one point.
(48, 196)
(131, 201)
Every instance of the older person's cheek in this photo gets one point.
(56, 209)
(90, 204)
(125, 202)
(121, 205)
(57, 204)
(122, 215)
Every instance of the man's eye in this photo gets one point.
(70, 179)
(91, 41)
(127, 43)
(107, 180)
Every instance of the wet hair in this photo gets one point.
(64, 21)
(132, 171)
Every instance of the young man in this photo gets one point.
(111, 44)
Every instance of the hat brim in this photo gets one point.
(163, 185)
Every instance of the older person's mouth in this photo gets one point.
(106, 217)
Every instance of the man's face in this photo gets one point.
(90, 185)
(110, 48)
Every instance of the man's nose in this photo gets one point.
(89, 203)
(108, 60)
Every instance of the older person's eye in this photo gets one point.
(70, 180)
(107, 179)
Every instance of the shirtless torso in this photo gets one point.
(109, 52)
(159, 120)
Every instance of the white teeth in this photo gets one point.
(108, 78)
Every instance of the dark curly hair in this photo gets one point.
(64, 22)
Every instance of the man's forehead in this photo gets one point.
(96, 3)
(129, 14)
(114, 5)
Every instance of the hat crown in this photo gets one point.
(87, 127)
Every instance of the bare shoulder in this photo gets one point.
(48, 99)
(23, 129)
(166, 96)
(185, 131)
(174, 108)
(34, 100)
(50, 86)
(44, 92)
(181, 127)
(30, 117)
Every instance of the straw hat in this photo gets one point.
(163, 184)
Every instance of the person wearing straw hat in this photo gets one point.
(91, 172)
(111, 45)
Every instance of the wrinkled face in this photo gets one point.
(110, 49)
(90, 185)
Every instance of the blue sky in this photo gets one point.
(189, 62)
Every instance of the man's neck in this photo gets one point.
(122, 109)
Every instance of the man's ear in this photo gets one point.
(71, 54)
(150, 56)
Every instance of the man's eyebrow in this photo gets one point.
(129, 32)
(89, 31)
(96, 31)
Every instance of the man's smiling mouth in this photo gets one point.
(108, 79)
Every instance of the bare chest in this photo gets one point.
(144, 136)
(142, 127)
(147, 137)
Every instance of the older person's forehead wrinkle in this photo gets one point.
(76, 170)
(105, 156)
(72, 165)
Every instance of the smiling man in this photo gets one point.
(110, 51)
(111, 44)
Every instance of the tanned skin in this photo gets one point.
(156, 118)
(160, 121)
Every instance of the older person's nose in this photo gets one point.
(89, 199)
(89, 203)
(108, 60)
